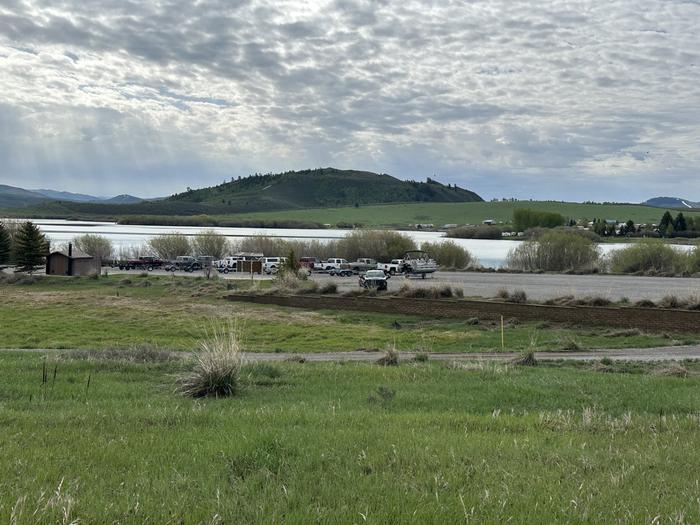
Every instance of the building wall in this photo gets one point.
(57, 264)
(649, 319)
(86, 267)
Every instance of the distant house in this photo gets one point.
(72, 262)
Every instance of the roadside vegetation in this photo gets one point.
(575, 252)
(555, 251)
(488, 442)
(653, 257)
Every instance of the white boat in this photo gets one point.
(417, 262)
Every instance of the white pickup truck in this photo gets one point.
(391, 268)
(337, 266)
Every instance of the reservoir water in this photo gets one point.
(489, 252)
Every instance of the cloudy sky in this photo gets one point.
(563, 99)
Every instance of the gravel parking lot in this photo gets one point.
(536, 286)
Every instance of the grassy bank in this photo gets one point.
(174, 312)
(344, 443)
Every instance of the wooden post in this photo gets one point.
(503, 336)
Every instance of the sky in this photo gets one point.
(545, 99)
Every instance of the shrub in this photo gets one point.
(170, 245)
(475, 232)
(421, 357)
(217, 366)
(650, 256)
(379, 245)
(209, 242)
(448, 254)
(95, 245)
(555, 251)
(442, 292)
(525, 218)
(517, 296)
(329, 288)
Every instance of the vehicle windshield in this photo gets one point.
(375, 273)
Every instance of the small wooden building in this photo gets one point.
(72, 262)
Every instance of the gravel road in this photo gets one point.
(665, 353)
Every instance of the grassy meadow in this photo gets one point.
(99, 434)
(107, 440)
(175, 312)
(397, 215)
(401, 215)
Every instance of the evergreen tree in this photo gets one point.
(666, 220)
(30, 247)
(5, 244)
(680, 224)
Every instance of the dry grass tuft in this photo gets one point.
(217, 365)
(671, 370)
(390, 357)
(134, 354)
(525, 359)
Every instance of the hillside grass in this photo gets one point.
(394, 215)
(175, 312)
(346, 443)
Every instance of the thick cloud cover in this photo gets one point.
(570, 99)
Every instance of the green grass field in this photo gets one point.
(175, 313)
(96, 437)
(110, 441)
(401, 215)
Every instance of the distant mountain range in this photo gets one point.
(316, 188)
(12, 197)
(672, 202)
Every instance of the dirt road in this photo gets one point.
(665, 353)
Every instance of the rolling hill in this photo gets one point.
(672, 202)
(11, 197)
(319, 188)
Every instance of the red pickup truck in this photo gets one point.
(141, 263)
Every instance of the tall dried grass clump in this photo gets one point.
(424, 292)
(217, 365)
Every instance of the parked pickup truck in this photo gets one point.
(140, 263)
(185, 263)
(374, 279)
(337, 266)
(393, 267)
(227, 264)
(363, 264)
(310, 263)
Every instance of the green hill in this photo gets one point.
(319, 188)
